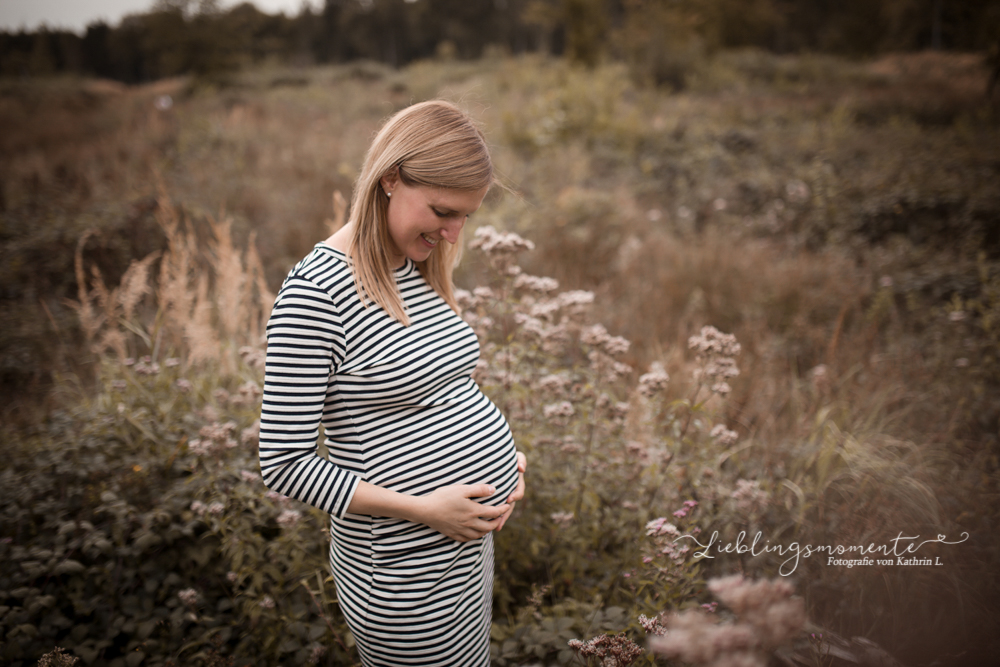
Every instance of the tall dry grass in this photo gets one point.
(208, 304)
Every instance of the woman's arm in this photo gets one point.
(305, 341)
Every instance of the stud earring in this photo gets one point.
(388, 194)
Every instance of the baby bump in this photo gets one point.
(469, 443)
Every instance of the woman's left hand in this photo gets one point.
(518, 493)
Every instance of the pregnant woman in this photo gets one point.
(365, 339)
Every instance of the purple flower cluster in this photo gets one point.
(714, 352)
(214, 439)
(613, 650)
(654, 381)
(189, 596)
(750, 498)
(723, 435)
(500, 247)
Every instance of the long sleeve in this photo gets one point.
(305, 344)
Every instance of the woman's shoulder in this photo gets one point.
(325, 267)
(315, 290)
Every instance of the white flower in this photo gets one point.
(289, 518)
(576, 298)
(750, 498)
(712, 341)
(721, 388)
(654, 381)
(594, 335)
(724, 436)
(536, 283)
(552, 383)
(558, 411)
(465, 299)
(616, 345)
(659, 527)
(188, 596)
(483, 293)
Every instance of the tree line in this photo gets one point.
(199, 37)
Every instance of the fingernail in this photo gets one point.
(492, 489)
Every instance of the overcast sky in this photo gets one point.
(76, 14)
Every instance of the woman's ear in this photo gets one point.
(390, 180)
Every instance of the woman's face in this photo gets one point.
(420, 217)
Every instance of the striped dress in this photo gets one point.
(400, 410)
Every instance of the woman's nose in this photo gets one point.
(451, 230)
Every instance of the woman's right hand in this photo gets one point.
(451, 511)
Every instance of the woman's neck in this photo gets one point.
(341, 239)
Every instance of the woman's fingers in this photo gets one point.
(517, 493)
(503, 520)
(477, 490)
(451, 511)
(522, 465)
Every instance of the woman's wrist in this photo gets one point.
(374, 500)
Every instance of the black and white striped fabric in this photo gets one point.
(400, 410)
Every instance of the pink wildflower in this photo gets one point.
(562, 518)
(558, 412)
(661, 527)
(536, 283)
(654, 381)
(250, 434)
(289, 518)
(652, 626)
(594, 335)
(723, 436)
(552, 383)
(316, 654)
(465, 299)
(188, 596)
(613, 650)
(750, 498)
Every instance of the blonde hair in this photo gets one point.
(433, 144)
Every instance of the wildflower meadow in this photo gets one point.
(746, 334)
